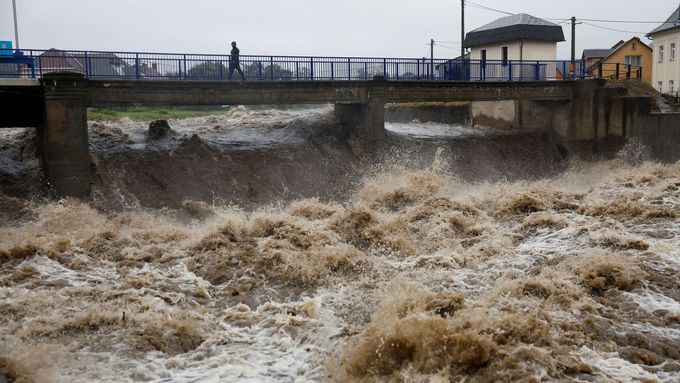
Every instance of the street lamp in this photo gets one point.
(16, 28)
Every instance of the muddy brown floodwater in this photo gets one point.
(413, 275)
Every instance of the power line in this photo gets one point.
(480, 6)
(445, 47)
(611, 29)
(624, 21)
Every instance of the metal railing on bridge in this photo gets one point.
(173, 66)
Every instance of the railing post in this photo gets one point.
(311, 68)
(185, 66)
(397, 70)
(259, 70)
(365, 70)
(628, 72)
(32, 64)
(617, 71)
(332, 71)
(87, 66)
(137, 75)
(509, 70)
(385, 68)
(639, 73)
(418, 70)
(271, 66)
(297, 71)
(537, 71)
(349, 69)
(599, 69)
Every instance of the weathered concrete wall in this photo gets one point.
(445, 114)
(366, 122)
(62, 138)
(495, 114)
(661, 133)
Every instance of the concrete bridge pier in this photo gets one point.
(365, 121)
(62, 137)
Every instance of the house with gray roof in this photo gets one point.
(666, 69)
(515, 37)
(502, 44)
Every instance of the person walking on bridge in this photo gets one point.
(234, 63)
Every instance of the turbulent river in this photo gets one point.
(261, 246)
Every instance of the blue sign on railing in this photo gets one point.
(215, 67)
(5, 48)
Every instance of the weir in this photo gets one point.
(578, 114)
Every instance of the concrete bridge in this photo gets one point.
(573, 111)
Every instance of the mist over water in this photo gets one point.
(265, 246)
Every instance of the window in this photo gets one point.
(671, 86)
(634, 45)
(504, 55)
(633, 60)
(660, 86)
(673, 51)
(661, 53)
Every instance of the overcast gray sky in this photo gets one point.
(382, 28)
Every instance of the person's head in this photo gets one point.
(233, 44)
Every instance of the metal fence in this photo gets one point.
(173, 66)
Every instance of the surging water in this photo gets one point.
(419, 277)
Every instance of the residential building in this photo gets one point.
(99, 64)
(594, 56)
(518, 37)
(613, 63)
(666, 71)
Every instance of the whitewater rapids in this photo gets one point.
(410, 274)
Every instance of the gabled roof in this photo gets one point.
(672, 23)
(514, 27)
(595, 53)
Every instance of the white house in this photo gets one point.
(666, 70)
(516, 37)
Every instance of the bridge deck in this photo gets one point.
(130, 92)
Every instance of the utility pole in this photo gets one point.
(431, 59)
(573, 47)
(16, 28)
(462, 30)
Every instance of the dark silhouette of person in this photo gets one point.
(234, 64)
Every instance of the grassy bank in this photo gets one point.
(152, 113)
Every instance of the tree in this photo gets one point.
(264, 71)
(208, 70)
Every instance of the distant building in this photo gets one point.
(516, 37)
(633, 52)
(666, 72)
(99, 64)
(593, 56)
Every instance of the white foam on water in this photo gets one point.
(613, 369)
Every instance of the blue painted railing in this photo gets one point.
(172, 66)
